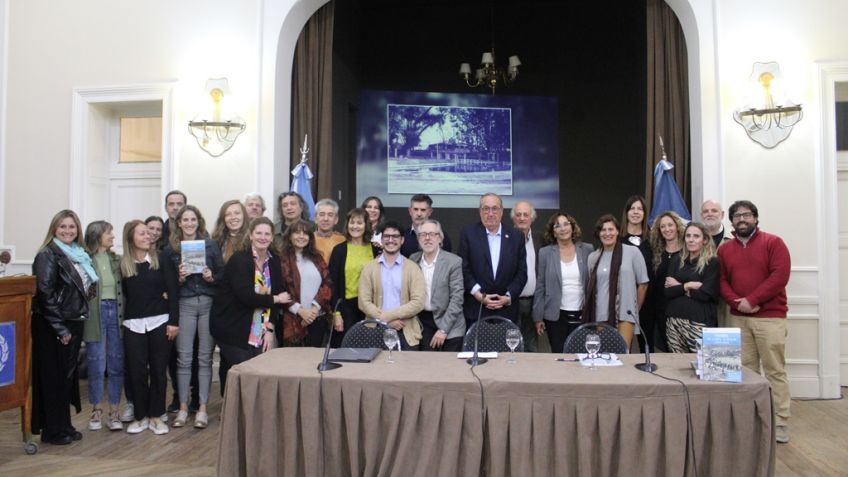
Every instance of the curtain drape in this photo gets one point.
(668, 97)
(312, 97)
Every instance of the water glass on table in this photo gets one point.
(390, 338)
(593, 345)
(513, 339)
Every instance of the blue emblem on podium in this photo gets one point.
(7, 353)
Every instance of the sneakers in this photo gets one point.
(201, 420)
(94, 422)
(115, 421)
(158, 427)
(180, 420)
(138, 426)
(164, 417)
(781, 434)
(129, 413)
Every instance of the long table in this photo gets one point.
(424, 416)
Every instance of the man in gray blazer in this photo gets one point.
(442, 320)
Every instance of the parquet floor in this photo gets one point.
(819, 447)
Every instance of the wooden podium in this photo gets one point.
(16, 351)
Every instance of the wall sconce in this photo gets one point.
(768, 116)
(216, 135)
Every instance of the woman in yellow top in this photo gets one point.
(346, 262)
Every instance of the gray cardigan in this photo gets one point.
(548, 296)
(447, 293)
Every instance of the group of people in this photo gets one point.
(266, 284)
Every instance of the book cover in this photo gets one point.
(722, 350)
(193, 254)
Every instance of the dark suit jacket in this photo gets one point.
(548, 297)
(510, 276)
(410, 243)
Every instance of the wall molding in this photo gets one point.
(4, 76)
(83, 99)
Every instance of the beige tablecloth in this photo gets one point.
(422, 416)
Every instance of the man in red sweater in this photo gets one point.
(754, 272)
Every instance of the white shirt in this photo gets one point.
(428, 269)
(494, 253)
(530, 286)
(572, 287)
(143, 325)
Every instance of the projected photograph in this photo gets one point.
(449, 150)
(456, 147)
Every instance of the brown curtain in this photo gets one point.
(312, 97)
(668, 97)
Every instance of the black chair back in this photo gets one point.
(365, 334)
(611, 340)
(492, 335)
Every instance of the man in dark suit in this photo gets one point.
(494, 264)
(420, 209)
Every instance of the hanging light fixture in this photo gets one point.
(489, 73)
(768, 115)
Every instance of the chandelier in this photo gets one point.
(489, 73)
(217, 134)
(768, 116)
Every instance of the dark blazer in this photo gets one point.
(338, 259)
(410, 243)
(447, 293)
(236, 299)
(510, 276)
(548, 297)
(59, 293)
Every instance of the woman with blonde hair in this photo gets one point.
(666, 244)
(692, 290)
(65, 281)
(231, 228)
(102, 332)
(151, 321)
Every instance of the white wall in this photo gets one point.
(57, 46)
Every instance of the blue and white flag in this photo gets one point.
(300, 184)
(666, 194)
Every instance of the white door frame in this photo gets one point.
(83, 99)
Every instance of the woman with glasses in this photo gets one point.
(346, 263)
(692, 290)
(561, 276)
(618, 281)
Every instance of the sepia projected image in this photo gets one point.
(449, 150)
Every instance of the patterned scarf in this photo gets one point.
(262, 286)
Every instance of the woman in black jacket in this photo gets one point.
(65, 282)
(246, 309)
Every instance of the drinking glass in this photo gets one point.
(593, 345)
(390, 337)
(513, 338)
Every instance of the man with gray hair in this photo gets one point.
(523, 215)
(326, 217)
(712, 215)
(442, 321)
(255, 205)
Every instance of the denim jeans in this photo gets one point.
(106, 355)
(194, 318)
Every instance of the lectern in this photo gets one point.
(16, 351)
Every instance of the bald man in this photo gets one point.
(712, 215)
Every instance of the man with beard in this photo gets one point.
(712, 216)
(754, 271)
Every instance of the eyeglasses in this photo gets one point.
(391, 236)
(490, 210)
(428, 235)
(742, 215)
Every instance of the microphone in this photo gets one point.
(475, 359)
(326, 364)
(647, 366)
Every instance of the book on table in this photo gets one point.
(722, 355)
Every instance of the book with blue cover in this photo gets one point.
(722, 350)
(193, 254)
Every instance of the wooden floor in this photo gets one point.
(818, 447)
